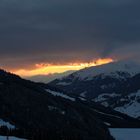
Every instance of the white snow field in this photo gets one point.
(3, 123)
(10, 138)
(125, 133)
(132, 108)
(109, 69)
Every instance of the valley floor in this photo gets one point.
(10, 138)
(125, 133)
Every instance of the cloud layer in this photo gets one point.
(35, 31)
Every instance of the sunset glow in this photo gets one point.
(44, 69)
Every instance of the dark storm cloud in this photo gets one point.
(33, 31)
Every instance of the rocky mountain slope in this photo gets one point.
(115, 85)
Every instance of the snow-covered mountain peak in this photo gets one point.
(116, 85)
(108, 69)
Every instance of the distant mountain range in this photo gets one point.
(49, 77)
(115, 85)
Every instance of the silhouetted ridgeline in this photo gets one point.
(38, 115)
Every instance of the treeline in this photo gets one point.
(5, 131)
(39, 134)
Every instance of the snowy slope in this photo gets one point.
(55, 93)
(125, 134)
(108, 69)
(132, 105)
(127, 104)
(3, 123)
(105, 96)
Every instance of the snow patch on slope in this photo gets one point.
(3, 123)
(106, 114)
(125, 134)
(105, 96)
(136, 95)
(83, 94)
(81, 98)
(108, 124)
(60, 94)
(10, 138)
(133, 107)
(53, 108)
(106, 104)
(63, 84)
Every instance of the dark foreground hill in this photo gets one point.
(37, 114)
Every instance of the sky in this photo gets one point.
(37, 34)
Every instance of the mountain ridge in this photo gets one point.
(37, 114)
(109, 83)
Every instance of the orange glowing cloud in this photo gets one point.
(44, 69)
